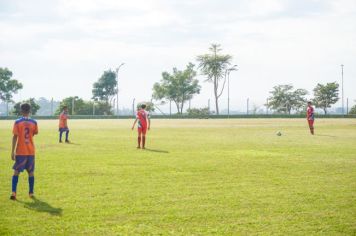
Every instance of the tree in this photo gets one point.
(79, 106)
(34, 107)
(179, 87)
(82, 107)
(150, 107)
(105, 88)
(8, 86)
(353, 110)
(326, 95)
(215, 67)
(284, 99)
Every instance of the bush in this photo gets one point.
(353, 110)
(198, 112)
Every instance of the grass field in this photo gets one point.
(201, 177)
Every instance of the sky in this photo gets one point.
(59, 48)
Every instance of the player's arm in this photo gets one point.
(149, 122)
(14, 142)
(133, 126)
(35, 132)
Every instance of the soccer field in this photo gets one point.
(201, 177)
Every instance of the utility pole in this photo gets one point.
(73, 105)
(248, 100)
(209, 106)
(94, 108)
(342, 88)
(347, 106)
(117, 88)
(133, 107)
(170, 108)
(228, 89)
(52, 107)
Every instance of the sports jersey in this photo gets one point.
(142, 117)
(310, 113)
(63, 117)
(25, 128)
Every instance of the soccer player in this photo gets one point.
(144, 123)
(63, 126)
(23, 131)
(310, 117)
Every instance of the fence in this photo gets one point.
(168, 110)
(175, 116)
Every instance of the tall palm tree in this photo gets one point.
(215, 67)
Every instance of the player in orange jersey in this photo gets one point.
(63, 126)
(23, 149)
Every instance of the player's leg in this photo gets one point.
(144, 129)
(139, 131)
(67, 134)
(60, 135)
(19, 166)
(312, 127)
(15, 180)
(30, 167)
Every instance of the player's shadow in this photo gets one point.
(76, 144)
(41, 206)
(156, 150)
(326, 135)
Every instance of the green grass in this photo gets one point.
(201, 177)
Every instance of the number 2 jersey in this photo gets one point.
(25, 128)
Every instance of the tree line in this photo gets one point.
(179, 87)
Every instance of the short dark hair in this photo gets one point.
(65, 107)
(143, 106)
(309, 102)
(25, 108)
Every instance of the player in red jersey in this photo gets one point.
(143, 118)
(310, 117)
(23, 149)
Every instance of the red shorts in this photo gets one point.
(142, 130)
(311, 123)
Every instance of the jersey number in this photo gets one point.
(27, 135)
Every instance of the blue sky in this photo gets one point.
(60, 48)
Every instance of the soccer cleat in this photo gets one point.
(138, 147)
(31, 195)
(60, 141)
(13, 197)
(67, 141)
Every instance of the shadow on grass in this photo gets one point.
(326, 135)
(155, 150)
(41, 206)
(75, 144)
